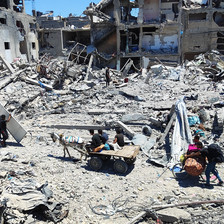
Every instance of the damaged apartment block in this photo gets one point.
(18, 38)
(142, 30)
(58, 36)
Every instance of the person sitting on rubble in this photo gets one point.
(118, 141)
(3, 130)
(96, 144)
(104, 138)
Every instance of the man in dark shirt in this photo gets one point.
(119, 137)
(211, 166)
(103, 136)
(95, 139)
(3, 130)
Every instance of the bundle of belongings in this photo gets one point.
(194, 166)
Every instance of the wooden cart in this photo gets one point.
(122, 158)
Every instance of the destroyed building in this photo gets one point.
(58, 35)
(18, 35)
(170, 30)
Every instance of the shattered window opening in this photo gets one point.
(7, 45)
(2, 20)
(18, 7)
(218, 17)
(23, 47)
(4, 4)
(197, 16)
(33, 45)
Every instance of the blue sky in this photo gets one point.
(60, 7)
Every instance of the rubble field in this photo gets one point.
(39, 185)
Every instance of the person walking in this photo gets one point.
(107, 75)
(3, 130)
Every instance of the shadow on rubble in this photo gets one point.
(190, 181)
(107, 168)
(65, 159)
(15, 144)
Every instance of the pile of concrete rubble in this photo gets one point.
(141, 103)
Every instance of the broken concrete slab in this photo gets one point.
(104, 111)
(132, 117)
(7, 64)
(171, 215)
(15, 129)
(38, 83)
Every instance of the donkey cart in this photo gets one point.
(122, 158)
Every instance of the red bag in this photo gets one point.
(194, 166)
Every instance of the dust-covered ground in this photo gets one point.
(87, 196)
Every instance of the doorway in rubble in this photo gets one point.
(23, 48)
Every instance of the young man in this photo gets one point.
(96, 141)
(103, 136)
(119, 138)
(3, 130)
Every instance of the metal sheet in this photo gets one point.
(15, 129)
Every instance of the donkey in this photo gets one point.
(75, 142)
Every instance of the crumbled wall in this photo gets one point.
(17, 39)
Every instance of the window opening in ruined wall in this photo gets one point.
(197, 16)
(218, 18)
(23, 47)
(7, 45)
(18, 5)
(220, 42)
(4, 3)
(2, 21)
(33, 45)
(20, 26)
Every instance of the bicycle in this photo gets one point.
(180, 173)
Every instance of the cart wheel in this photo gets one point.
(130, 161)
(95, 163)
(120, 166)
(179, 172)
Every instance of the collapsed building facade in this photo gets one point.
(57, 35)
(142, 30)
(18, 35)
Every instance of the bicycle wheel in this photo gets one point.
(179, 172)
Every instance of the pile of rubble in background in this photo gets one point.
(139, 102)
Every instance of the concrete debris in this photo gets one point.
(71, 95)
(172, 215)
